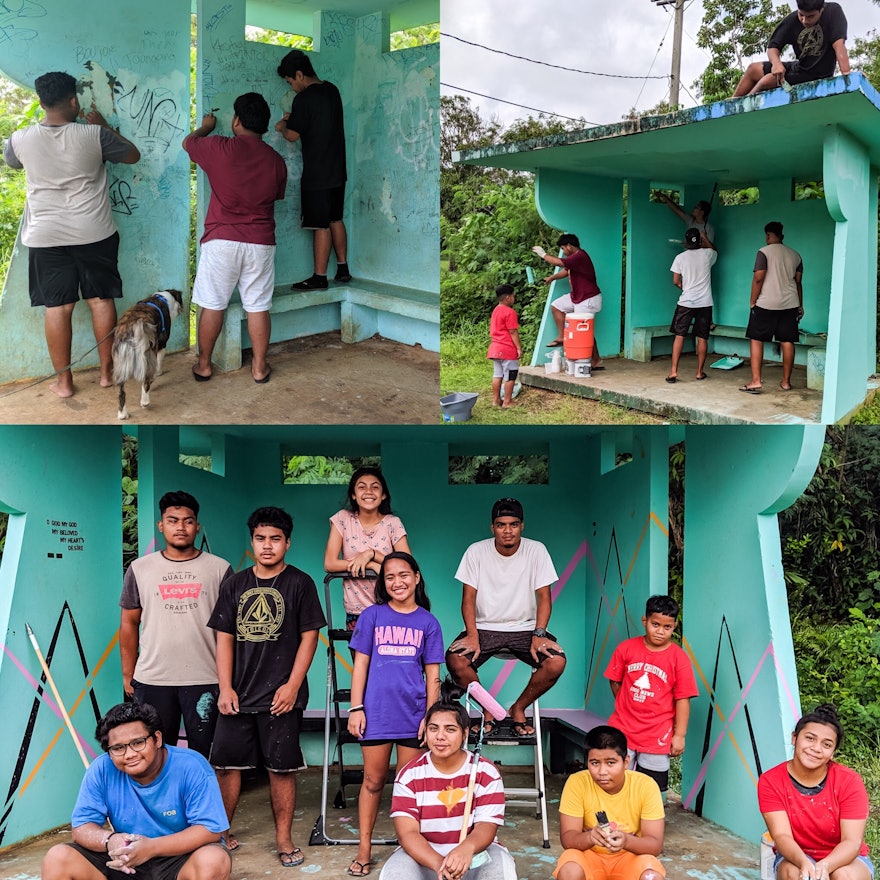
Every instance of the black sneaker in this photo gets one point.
(316, 282)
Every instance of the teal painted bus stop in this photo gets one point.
(133, 63)
(594, 181)
(602, 513)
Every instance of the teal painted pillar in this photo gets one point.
(736, 621)
(851, 195)
(132, 61)
(61, 572)
(592, 209)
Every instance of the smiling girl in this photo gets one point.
(816, 809)
(398, 649)
(360, 538)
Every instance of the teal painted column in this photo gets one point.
(592, 209)
(61, 573)
(851, 195)
(132, 61)
(736, 621)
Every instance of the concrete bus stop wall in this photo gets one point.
(391, 102)
(602, 515)
(132, 61)
(60, 574)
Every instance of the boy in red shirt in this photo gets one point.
(652, 682)
(505, 349)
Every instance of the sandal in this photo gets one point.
(232, 843)
(362, 869)
(522, 729)
(750, 390)
(488, 727)
(291, 859)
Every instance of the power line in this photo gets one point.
(546, 63)
(513, 104)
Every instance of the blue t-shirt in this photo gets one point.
(400, 646)
(184, 794)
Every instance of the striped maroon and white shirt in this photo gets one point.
(436, 800)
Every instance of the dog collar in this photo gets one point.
(162, 310)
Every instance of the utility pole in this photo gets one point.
(677, 29)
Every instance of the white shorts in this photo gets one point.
(225, 264)
(564, 304)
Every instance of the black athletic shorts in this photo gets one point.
(159, 868)
(58, 274)
(249, 739)
(764, 324)
(321, 207)
(494, 642)
(685, 315)
(794, 74)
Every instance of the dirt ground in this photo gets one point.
(315, 380)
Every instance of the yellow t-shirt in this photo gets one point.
(638, 799)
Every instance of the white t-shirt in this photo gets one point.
(506, 585)
(695, 268)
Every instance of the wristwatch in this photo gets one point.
(539, 632)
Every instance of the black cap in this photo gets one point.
(693, 237)
(507, 507)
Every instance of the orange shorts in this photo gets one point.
(610, 866)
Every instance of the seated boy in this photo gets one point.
(611, 819)
(652, 682)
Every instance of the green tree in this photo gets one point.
(732, 31)
(865, 56)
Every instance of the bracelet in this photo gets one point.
(356, 708)
(107, 841)
(373, 557)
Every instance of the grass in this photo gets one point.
(464, 367)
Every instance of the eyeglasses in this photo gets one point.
(136, 745)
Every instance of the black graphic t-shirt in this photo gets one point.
(813, 46)
(266, 616)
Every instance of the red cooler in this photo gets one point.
(578, 336)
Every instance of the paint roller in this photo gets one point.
(485, 701)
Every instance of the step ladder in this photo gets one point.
(336, 730)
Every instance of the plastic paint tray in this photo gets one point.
(457, 407)
(731, 362)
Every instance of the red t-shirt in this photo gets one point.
(247, 177)
(581, 276)
(815, 819)
(650, 683)
(503, 320)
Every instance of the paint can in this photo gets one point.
(578, 335)
(569, 367)
(583, 369)
(767, 857)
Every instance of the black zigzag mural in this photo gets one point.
(24, 747)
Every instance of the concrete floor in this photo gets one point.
(714, 401)
(694, 848)
(315, 380)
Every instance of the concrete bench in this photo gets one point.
(568, 733)
(359, 309)
(729, 339)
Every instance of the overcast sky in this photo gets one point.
(625, 38)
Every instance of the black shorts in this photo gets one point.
(685, 315)
(196, 704)
(321, 207)
(794, 74)
(158, 868)
(409, 742)
(249, 739)
(58, 274)
(494, 642)
(765, 324)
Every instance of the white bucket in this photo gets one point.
(583, 369)
(767, 857)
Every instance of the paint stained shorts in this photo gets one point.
(57, 274)
(248, 739)
(684, 315)
(494, 642)
(777, 859)
(159, 868)
(505, 369)
(794, 74)
(224, 264)
(610, 866)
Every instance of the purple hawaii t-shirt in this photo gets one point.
(399, 646)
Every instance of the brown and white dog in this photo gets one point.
(139, 343)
